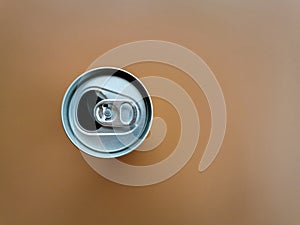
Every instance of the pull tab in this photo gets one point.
(116, 112)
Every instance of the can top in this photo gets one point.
(107, 112)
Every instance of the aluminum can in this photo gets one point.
(107, 112)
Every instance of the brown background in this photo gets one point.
(253, 47)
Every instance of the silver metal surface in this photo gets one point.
(116, 112)
(107, 112)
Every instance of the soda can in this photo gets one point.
(107, 112)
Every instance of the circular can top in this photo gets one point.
(107, 112)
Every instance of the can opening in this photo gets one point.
(85, 110)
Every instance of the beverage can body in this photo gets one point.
(107, 112)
